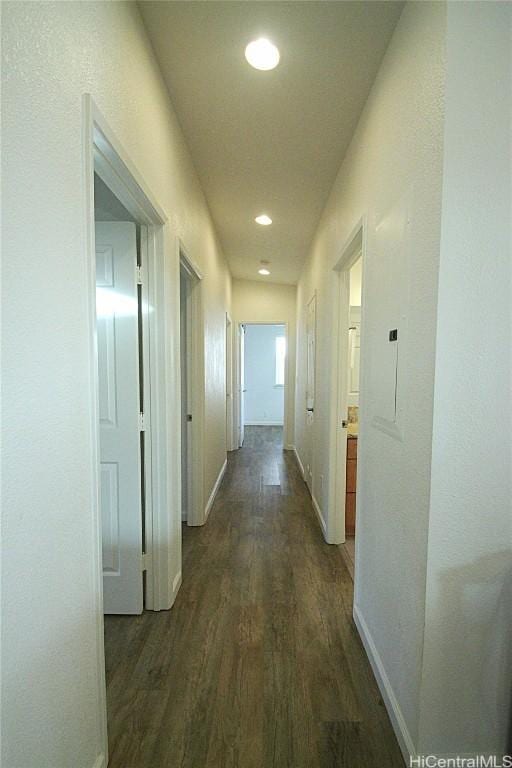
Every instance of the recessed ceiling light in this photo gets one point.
(263, 270)
(262, 54)
(264, 220)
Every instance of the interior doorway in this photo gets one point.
(133, 325)
(353, 371)
(192, 392)
(124, 403)
(310, 391)
(229, 383)
(121, 374)
(346, 410)
(262, 377)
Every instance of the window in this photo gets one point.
(280, 358)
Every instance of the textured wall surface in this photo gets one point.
(53, 53)
(467, 676)
(253, 301)
(392, 175)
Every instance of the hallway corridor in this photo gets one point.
(258, 664)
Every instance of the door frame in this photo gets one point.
(103, 153)
(238, 385)
(230, 400)
(195, 378)
(238, 362)
(354, 247)
(309, 467)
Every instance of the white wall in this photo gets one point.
(264, 401)
(467, 672)
(393, 169)
(53, 54)
(255, 301)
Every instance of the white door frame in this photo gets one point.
(309, 460)
(338, 408)
(238, 361)
(237, 341)
(196, 383)
(230, 400)
(104, 154)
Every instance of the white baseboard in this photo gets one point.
(215, 488)
(100, 762)
(393, 708)
(289, 447)
(263, 424)
(318, 511)
(299, 462)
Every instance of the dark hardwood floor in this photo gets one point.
(258, 664)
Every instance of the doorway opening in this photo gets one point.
(229, 383)
(123, 371)
(310, 392)
(346, 405)
(192, 392)
(131, 327)
(262, 380)
(353, 368)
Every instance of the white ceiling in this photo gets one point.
(268, 142)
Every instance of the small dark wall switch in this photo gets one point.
(393, 335)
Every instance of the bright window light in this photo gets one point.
(280, 360)
(262, 54)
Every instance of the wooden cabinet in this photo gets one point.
(350, 497)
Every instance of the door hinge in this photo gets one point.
(138, 274)
(142, 422)
(146, 561)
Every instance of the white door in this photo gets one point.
(120, 460)
(310, 389)
(241, 396)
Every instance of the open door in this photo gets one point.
(241, 397)
(120, 457)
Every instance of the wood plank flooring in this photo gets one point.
(258, 664)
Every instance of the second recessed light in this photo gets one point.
(264, 220)
(262, 54)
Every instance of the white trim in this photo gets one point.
(215, 490)
(393, 708)
(100, 762)
(321, 521)
(97, 571)
(263, 424)
(298, 460)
